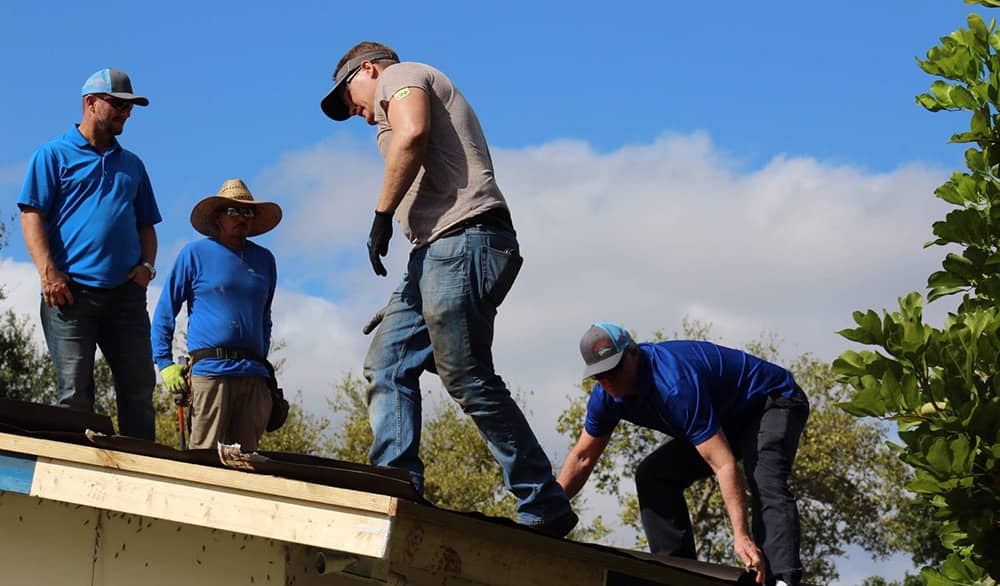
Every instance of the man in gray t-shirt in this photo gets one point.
(438, 183)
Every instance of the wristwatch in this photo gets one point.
(150, 268)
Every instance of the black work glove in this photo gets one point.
(378, 241)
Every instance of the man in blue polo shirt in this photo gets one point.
(718, 405)
(87, 213)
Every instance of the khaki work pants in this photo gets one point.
(229, 409)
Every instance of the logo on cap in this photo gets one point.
(604, 348)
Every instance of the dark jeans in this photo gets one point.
(767, 448)
(116, 321)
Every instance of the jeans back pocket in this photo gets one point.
(499, 270)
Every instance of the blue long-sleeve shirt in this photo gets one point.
(228, 294)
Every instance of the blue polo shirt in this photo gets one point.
(228, 295)
(93, 205)
(689, 389)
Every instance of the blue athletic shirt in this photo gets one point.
(688, 389)
(93, 205)
(228, 298)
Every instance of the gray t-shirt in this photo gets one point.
(456, 180)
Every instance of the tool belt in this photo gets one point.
(279, 405)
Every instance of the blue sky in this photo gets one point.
(760, 166)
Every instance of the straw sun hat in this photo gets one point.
(234, 193)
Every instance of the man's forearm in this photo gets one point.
(33, 227)
(147, 244)
(573, 474)
(732, 488)
(402, 163)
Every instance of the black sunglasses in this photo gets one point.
(116, 103)
(245, 212)
(610, 373)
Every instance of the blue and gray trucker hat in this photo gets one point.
(113, 82)
(603, 346)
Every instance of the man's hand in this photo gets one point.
(173, 377)
(55, 289)
(378, 241)
(141, 275)
(751, 556)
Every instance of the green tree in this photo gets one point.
(303, 432)
(26, 374)
(941, 386)
(908, 580)
(848, 484)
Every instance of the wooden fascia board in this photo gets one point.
(220, 477)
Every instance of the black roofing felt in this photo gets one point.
(89, 429)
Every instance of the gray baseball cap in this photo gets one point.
(113, 82)
(333, 104)
(603, 346)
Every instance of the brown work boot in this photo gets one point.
(557, 527)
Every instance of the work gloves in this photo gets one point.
(378, 241)
(173, 377)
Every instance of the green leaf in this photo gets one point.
(866, 402)
(978, 28)
(964, 226)
(905, 422)
(891, 392)
(910, 391)
(949, 192)
(850, 363)
(928, 102)
(975, 161)
(995, 42)
(961, 463)
(915, 336)
(930, 575)
(960, 265)
(938, 457)
(962, 98)
(923, 485)
(946, 279)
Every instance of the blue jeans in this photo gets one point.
(767, 448)
(440, 319)
(116, 321)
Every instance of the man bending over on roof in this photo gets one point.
(228, 283)
(718, 405)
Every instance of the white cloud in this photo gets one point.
(643, 235)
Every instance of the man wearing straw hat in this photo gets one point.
(228, 283)
(87, 213)
(438, 184)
